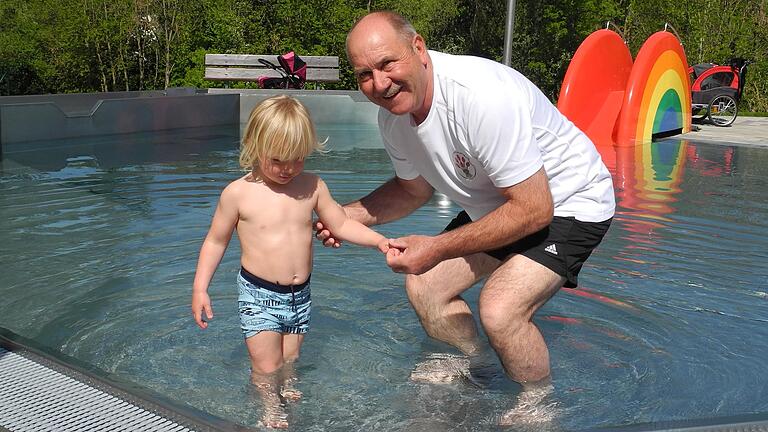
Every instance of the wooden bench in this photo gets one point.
(246, 67)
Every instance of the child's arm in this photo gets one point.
(344, 228)
(215, 243)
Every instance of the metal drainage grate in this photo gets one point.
(35, 398)
(41, 390)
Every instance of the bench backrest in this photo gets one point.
(246, 67)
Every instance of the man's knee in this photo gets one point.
(428, 305)
(501, 311)
(501, 318)
(414, 284)
(417, 289)
(512, 296)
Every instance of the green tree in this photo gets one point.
(49, 46)
(17, 49)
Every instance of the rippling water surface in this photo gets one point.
(100, 239)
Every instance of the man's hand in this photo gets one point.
(325, 236)
(418, 254)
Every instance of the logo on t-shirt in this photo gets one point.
(463, 165)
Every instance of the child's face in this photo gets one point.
(280, 172)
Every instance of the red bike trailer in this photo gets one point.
(716, 91)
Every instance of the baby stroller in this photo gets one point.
(716, 90)
(292, 69)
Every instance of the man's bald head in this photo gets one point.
(375, 20)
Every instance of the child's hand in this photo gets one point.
(383, 245)
(386, 248)
(393, 252)
(201, 303)
(325, 236)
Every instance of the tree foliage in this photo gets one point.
(49, 46)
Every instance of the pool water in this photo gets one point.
(100, 239)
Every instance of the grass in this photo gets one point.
(753, 114)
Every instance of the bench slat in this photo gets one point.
(253, 74)
(253, 60)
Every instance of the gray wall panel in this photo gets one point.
(42, 117)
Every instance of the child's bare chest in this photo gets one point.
(268, 209)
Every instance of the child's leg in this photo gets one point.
(266, 353)
(291, 347)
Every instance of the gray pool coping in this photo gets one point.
(741, 423)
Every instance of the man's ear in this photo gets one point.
(420, 48)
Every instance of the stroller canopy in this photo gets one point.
(293, 65)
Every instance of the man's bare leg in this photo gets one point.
(435, 296)
(508, 301)
(266, 352)
(445, 316)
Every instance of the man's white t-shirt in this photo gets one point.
(489, 127)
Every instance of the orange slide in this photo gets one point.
(594, 85)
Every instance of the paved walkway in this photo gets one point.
(752, 131)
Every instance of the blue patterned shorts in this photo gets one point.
(266, 306)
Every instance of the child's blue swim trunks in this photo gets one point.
(269, 306)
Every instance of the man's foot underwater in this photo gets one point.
(534, 406)
(441, 368)
(477, 370)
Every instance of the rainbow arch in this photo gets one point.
(658, 98)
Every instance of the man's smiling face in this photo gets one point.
(391, 71)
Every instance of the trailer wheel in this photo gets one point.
(723, 110)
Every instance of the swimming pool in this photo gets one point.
(100, 239)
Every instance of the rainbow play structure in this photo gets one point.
(617, 101)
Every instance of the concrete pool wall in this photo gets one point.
(52, 117)
(325, 106)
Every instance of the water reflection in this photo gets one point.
(444, 205)
(648, 180)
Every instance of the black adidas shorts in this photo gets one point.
(562, 247)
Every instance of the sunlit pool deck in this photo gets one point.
(45, 390)
(751, 131)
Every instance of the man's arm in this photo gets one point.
(393, 200)
(529, 208)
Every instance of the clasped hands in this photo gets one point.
(413, 254)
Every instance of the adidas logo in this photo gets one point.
(551, 249)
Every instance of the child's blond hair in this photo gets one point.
(278, 128)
